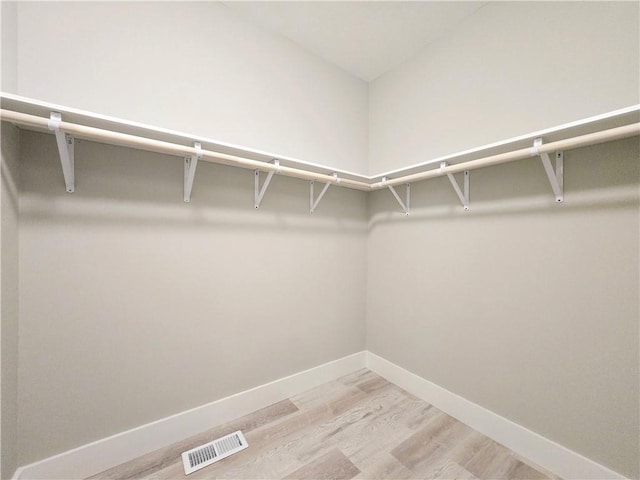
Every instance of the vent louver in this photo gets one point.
(211, 452)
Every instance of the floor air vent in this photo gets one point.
(211, 452)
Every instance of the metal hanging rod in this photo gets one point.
(158, 146)
(122, 139)
(595, 138)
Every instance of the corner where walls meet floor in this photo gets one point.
(98, 456)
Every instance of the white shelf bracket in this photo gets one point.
(463, 193)
(258, 192)
(66, 149)
(407, 203)
(190, 164)
(556, 177)
(313, 202)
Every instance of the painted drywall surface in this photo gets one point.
(9, 46)
(523, 306)
(194, 67)
(135, 305)
(511, 68)
(9, 299)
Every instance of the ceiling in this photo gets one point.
(364, 38)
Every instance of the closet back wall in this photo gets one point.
(195, 67)
(136, 306)
(526, 307)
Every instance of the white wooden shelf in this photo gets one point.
(68, 123)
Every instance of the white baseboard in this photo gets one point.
(100, 455)
(538, 449)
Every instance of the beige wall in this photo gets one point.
(195, 67)
(8, 46)
(523, 306)
(136, 306)
(9, 300)
(509, 69)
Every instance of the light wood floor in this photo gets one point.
(357, 427)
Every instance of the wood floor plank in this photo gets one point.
(450, 470)
(322, 396)
(277, 439)
(443, 457)
(496, 461)
(372, 385)
(359, 426)
(383, 467)
(383, 433)
(427, 446)
(372, 426)
(318, 438)
(486, 462)
(297, 446)
(352, 426)
(331, 466)
(162, 458)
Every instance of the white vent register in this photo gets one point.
(211, 452)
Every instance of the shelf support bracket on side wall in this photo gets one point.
(556, 177)
(463, 195)
(190, 164)
(258, 192)
(66, 149)
(407, 203)
(313, 202)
